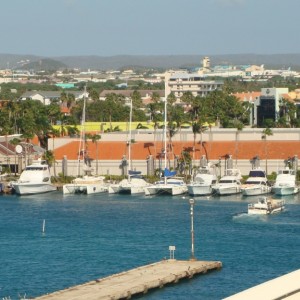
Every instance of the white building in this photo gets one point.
(179, 82)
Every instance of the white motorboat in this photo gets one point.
(229, 184)
(285, 183)
(266, 206)
(167, 186)
(256, 184)
(35, 179)
(134, 184)
(203, 181)
(86, 185)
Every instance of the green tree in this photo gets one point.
(95, 139)
(265, 133)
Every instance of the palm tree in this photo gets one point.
(239, 127)
(55, 133)
(95, 138)
(266, 132)
(196, 127)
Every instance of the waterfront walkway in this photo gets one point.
(135, 281)
(285, 287)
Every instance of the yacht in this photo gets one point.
(256, 184)
(285, 183)
(229, 184)
(35, 179)
(86, 185)
(266, 206)
(134, 184)
(203, 181)
(169, 185)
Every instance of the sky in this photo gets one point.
(55, 28)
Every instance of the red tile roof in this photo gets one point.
(140, 150)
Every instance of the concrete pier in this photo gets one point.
(136, 281)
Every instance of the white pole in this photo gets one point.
(129, 142)
(165, 138)
(192, 201)
(44, 225)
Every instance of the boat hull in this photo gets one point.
(31, 188)
(226, 190)
(255, 190)
(284, 191)
(264, 211)
(84, 189)
(165, 190)
(133, 186)
(199, 190)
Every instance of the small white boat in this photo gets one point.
(86, 185)
(285, 183)
(134, 184)
(203, 181)
(169, 186)
(35, 179)
(256, 184)
(229, 184)
(266, 206)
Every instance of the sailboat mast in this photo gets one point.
(129, 142)
(82, 134)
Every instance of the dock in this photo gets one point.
(136, 281)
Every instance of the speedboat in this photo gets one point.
(86, 185)
(285, 183)
(134, 184)
(169, 185)
(203, 181)
(35, 179)
(256, 184)
(229, 184)
(266, 206)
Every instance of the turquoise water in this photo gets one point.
(88, 237)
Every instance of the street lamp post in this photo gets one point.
(192, 202)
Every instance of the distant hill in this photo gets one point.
(44, 64)
(277, 61)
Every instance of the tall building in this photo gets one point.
(268, 105)
(179, 82)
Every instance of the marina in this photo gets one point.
(81, 242)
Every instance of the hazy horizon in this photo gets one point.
(142, 27)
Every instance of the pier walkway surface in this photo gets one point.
(135, 281)
(286, 287)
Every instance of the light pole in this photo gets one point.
(192, 202)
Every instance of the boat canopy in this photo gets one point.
(257, 173)
(131, 172)
(169, 173)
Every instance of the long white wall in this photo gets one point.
(215, 134)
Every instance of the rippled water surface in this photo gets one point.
(88, 237)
